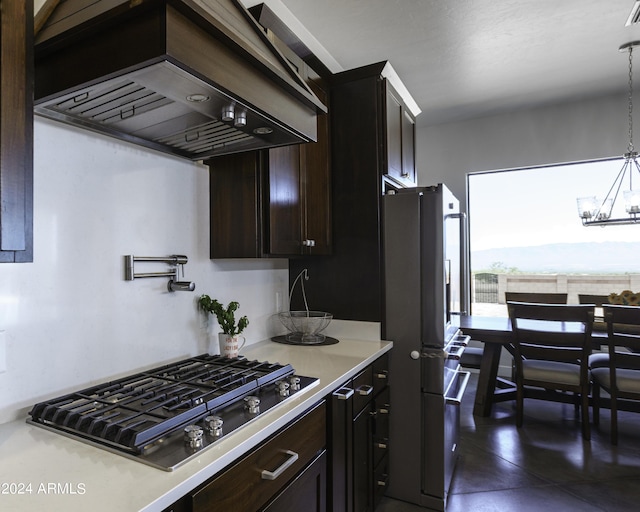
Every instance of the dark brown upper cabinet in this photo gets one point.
(372, 134)
(16, 131)
(400, 128)
(276, 202)
(273, 203)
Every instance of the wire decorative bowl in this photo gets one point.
(304, 326)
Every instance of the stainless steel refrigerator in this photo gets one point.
(425, 292)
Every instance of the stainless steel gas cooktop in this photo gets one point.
(168, 415)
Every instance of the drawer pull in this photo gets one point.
(382, 446)
(272, 475)
(343, 393)
(365, 390)
(382, 375)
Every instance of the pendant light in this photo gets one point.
(596, 212)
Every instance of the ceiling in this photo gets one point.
(462, 59)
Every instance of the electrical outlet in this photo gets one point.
(3, 352)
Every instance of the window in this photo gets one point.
(526, 235)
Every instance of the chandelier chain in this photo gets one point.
(630, 147)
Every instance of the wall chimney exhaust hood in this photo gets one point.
(194, 78)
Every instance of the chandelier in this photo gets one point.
(596, 212)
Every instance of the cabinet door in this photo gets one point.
(394, 134)
(408, 148)
(308, 492)
(16, 132)
(400, 138)
(380, 426)
(235, 206)
(284, 202)
(316, 186)
(362, 462)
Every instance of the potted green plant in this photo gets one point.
(230, 340)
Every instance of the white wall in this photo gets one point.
(584, 130)
(70, 318)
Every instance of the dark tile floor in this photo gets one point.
(543, 466)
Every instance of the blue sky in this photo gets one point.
(538, 206)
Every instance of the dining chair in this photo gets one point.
(598, 358)
(621, 379)
(472, 356)
(537, 297)
(598, 300)
(551, 346)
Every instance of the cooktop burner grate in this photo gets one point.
(135, 411)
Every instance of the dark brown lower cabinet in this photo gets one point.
(308, 492)
(341, 458)
(358, 440)
(286, 473)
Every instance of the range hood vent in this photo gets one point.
(193, 78)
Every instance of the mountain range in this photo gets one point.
(587, 258)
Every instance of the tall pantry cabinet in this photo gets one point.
(372, 151)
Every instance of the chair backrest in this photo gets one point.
(556, 332)
(623, 330)
(541, 298)
(598, 300)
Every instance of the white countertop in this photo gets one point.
(43, 470)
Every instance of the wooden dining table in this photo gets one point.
(495, 333)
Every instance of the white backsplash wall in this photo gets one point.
(70, 318)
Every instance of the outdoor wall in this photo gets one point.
(573, 285)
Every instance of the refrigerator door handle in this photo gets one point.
(457, 400)
(465, 302)
(462, 339)
(459, 350)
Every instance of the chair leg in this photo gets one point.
(519, 406)
(596, 404)
(586, 426)
(614, 419)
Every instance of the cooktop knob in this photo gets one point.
(213, 424)
(283, 388)
(295, 383)
(193, 435)
(252, 403)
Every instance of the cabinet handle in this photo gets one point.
(382, 375)
(272, 475)
(383, 410)
(382, 446)
(309, 243)
(343, 393)
(365, 390)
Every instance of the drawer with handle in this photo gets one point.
(380, 368)
(254, 480)
(362, 389)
